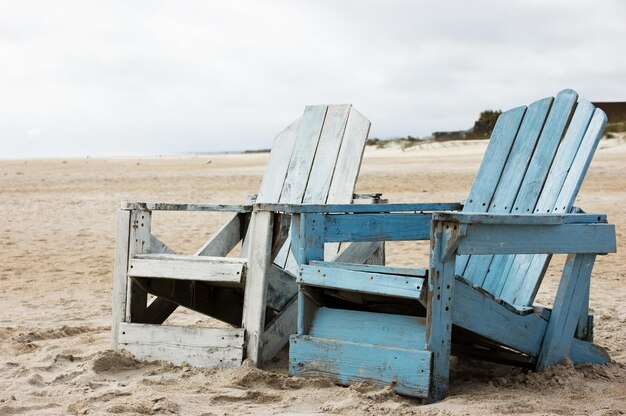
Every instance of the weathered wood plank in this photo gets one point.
(516, 219)
(517, 284)
(370, 268)
(139, 243)
(349, 159)
(120, 276)
(277, 166)
(389, 330)
(362, 282)
(484, 316)
(164, 206)
(583, 352)
(200, 347)
(332, 208)
(204, 269)
(510, 180)
(376, 227)
(567, 305)
(529, 239)
(439, 307)
(281, 288)
(356, 253)
(406, 371)
(225, 238)
(569, 190)
(325, 161)
(256, 284)
(502, 138)
(277, 332)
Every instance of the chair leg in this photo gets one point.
(120, 274)
(256, 284)
(570, 300)
(439, 309)
(139, 243)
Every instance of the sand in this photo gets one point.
(57, 236)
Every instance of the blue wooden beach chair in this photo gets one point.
(398, 326)
(314, 160)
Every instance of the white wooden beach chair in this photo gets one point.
(314, 160)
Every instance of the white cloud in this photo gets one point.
(148, 77)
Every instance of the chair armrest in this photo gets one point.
(522, 219)
(358, 208)
(161, 206)
(484, 233)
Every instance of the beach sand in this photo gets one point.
(57, 234)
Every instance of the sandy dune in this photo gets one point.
(57, 235)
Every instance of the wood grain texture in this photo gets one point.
(120, 277)
(139, 243)
(200, 268)
(566, 311)
(362, 282)
(406, 371)
(256, 284)
(199, 347)
(225, 238)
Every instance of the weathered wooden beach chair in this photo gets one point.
(314, 160)
(398, 326)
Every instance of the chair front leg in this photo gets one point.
(570, 299)
(439, 305)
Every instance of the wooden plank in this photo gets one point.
(139, 243)
(225, 238)
(199, 268)
(159, 247)
(303, 154)
(199, 347)
(332, 208)
(516, 219)
(518, 286)
(326, 155)
(299, 170)
(489, 172)
(349, 159)
(439, 307)
(256, 284)
(308, 240)
(369, 268)
(526, 293)
(306, 310)
(281, 288)
(347, 167)
(356, 253)
(276, 169)
(583, 352)
(277, 332)
(389, 330)
(529, 239)
(484, 316)
(163, 206)
(406, 371)
(567, 306)
(373, 283)
(511, 178)
(120, 274)
(377, 227)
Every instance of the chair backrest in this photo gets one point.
(316, 160)
(535, 162)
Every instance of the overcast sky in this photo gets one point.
(159, 77)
